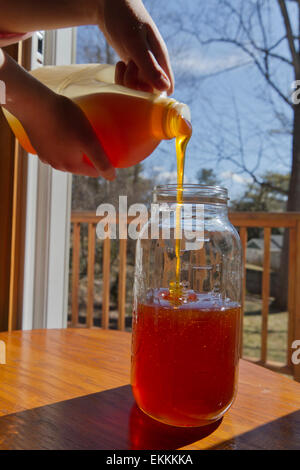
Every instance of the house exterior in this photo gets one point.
(255, 251)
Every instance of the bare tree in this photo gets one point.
(92, 47)
(248, 27)
(253, 28)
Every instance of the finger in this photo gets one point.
(55, 165)
(94, 151)
(119, 73)
(92, 148)
(150, 70)
(161, 54)
(131, 75)
(86, 169)
(91, 172)
(128, 75)
(143, 86)
(81, 165)
(132, 79)
(48, 161)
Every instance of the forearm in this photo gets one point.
(24, 94)
(55, 127)
(31, 15)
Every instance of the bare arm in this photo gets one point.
(127, 25)
(19, 16)
(58, 129)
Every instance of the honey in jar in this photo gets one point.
(186, 315)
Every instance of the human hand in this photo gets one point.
(62, 137)
(57, 128)
(130, 30)
(127, 25)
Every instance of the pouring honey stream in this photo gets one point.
(182, 140)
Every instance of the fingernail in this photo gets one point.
(163, 82)
(110, 174)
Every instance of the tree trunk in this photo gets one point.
(294, 189)
(293, 205)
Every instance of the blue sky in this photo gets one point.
(229, 100)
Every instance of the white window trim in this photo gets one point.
(46, 270)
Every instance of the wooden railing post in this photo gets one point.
(291, 293)
(265, 294)
(75, 272)
(296, 367)
(122, 285)
(106, 283)
(243, 237)
(91, 275)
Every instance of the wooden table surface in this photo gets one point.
(69, 389)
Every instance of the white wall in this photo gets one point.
(47, 216)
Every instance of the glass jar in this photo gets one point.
(187, 305)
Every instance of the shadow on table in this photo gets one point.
(104, 420)
(280, 434)
(147, 433)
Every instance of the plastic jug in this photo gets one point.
(129, 124)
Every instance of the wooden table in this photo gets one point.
(69, 389)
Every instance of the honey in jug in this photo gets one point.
(128, 123)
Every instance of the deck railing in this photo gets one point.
(242, 221)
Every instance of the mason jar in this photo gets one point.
(187, 307)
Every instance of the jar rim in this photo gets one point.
(213, 194)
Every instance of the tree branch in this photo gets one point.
(250, 54)
(290, 37)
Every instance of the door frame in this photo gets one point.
(48, 213)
